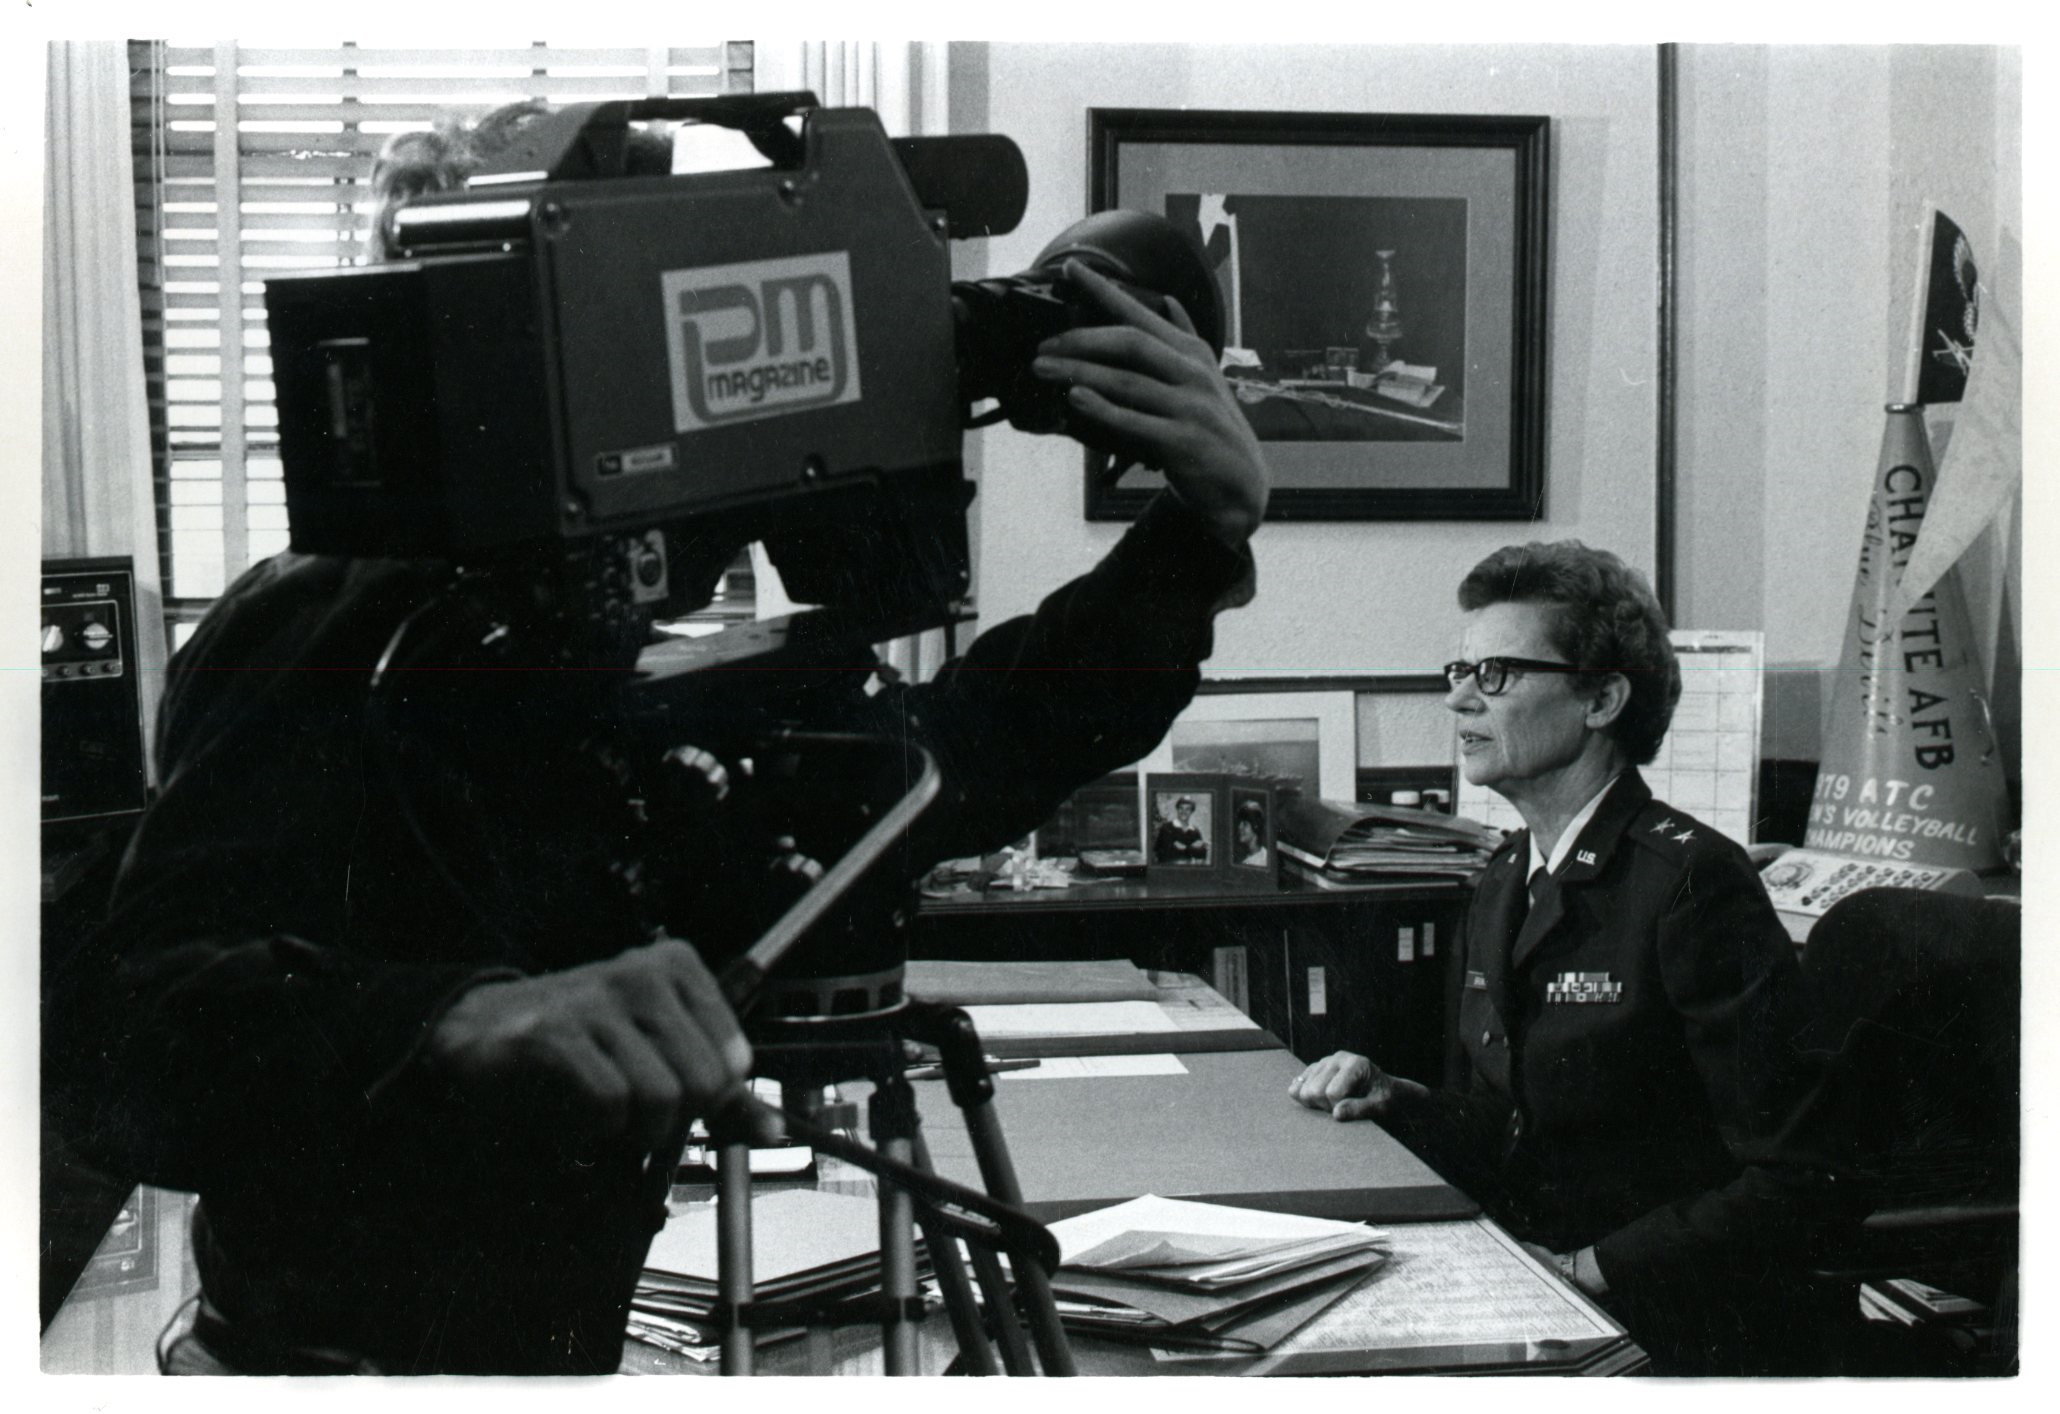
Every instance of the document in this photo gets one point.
(1106, 1227)
(1070, 1019)
(1452, 1284)
(1097, 1067)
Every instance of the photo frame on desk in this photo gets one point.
(1186, 833)
(1382, 279)
(1292, 739)
(1252, 813)
(1101, 824)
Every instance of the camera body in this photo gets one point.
(621, 382)
(601, 386)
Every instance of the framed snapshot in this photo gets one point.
(1382, 280)
(1100, 823)
(1251, 830)
(1184, 823)
(1306, 741)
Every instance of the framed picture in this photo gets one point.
(1305, 741)
(1101, 819)
(1184, 823)
(1251, 830)
(1382, 283)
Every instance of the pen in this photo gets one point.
(994, 1066)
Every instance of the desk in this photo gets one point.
(1221, 1128)
(1323, 970)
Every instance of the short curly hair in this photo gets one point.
(444, 156)
(1605, 619)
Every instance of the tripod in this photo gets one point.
(807, 1055)
(838, 1013)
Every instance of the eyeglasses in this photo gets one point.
(1492, 674)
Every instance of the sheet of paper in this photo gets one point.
(793, 1231)
(1097, 1067)
(1448, 1284)
(1152, 1213)
(1071, 1019)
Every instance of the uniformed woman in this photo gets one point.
(1638, 1097)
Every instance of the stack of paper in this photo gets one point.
(808, 1250)
(1204, 1276)
(1340, 845)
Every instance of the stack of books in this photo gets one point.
(1185, 1276)
(1907, 1302)
(809, 1251)
(1336, 845)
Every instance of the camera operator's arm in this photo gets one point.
(1149, 388)
(1039, 705)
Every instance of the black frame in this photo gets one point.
(1520, 494)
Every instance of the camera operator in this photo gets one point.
(371, 984)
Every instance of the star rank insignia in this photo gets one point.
(1663, 826)
(1584, 989)
(1684, 836)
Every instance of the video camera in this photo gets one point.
(603, 386)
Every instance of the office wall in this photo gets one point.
(1803, 176)
(1360, 597)
(1801, 173)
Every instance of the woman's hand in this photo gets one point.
(1147, 387)
(1352, 1087)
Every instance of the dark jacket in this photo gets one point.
(323, 874)
(1640, 1072)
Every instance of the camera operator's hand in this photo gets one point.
(1148, 387)
(1352, 1087)
(635, 1045)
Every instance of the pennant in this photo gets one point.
(1948, 312)
(1984, 461)
(1910, 769)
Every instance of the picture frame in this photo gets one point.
(1185, 834)
(1252, 808)
(1102, 821)
(1383, 281)
(1294, 740)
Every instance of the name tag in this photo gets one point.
(1584, 989)
(1476, 982)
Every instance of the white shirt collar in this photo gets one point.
(1567, 836)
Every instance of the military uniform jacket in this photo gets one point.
(1637, 1075)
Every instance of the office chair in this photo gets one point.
(1920, 996)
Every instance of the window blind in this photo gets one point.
(252, 161)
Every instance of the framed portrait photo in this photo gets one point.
(1251, 831)
(1185, 832)
(1382, 284)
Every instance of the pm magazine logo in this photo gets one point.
(760, 338)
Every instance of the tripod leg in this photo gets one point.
(893, 1124)
(953, 1282)
(733, 1252)
(951, 1031)
(1000, 1175)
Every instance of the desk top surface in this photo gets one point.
(1088, 1132)
(1220, 1127)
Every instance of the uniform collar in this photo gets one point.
(1586, 851)
(1569, 835)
